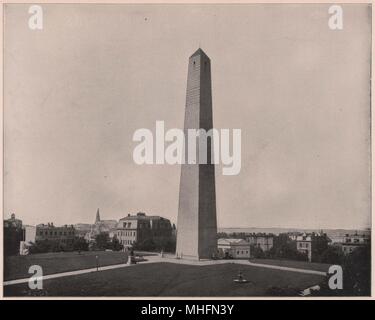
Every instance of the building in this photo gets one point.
(100, 226)
(82, 229)
(352, 242)
(29, 237)
(13, 222)
(233, 248)
(293, 235)
(29, 234)
(64, 235)
(196, 223)
(17, 237)
(261, 240)
(13, 235)
(312, 244)
(139, 227)
(304, 245)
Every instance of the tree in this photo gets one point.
(80, 244)
(102, 241)
(319, 246)
(285, 248)
(145, 245)
(332, 255)
(356, 275)
(46, 245)
(167, 244)
(12, 238)
(256, 252)
(357, 272)
(222, 235)
(116, 245)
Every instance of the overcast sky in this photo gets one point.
(76, 91)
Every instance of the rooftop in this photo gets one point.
(199, 52)
(231, 241)
(141, 216)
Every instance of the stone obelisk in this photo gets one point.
(196, 223)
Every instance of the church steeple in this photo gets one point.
(97, 216)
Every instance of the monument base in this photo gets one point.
(191, 257)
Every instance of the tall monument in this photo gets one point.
(196, 223)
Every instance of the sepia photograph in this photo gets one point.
(187, 151)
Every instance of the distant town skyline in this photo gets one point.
(75, 92)
(220, 228)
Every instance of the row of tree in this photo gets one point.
(102, 242)
(166, 244)
(286, 248)
(356, 275)
(42, 246)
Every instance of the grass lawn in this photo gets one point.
(294, 264)
(167, 279)
(17, 267)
